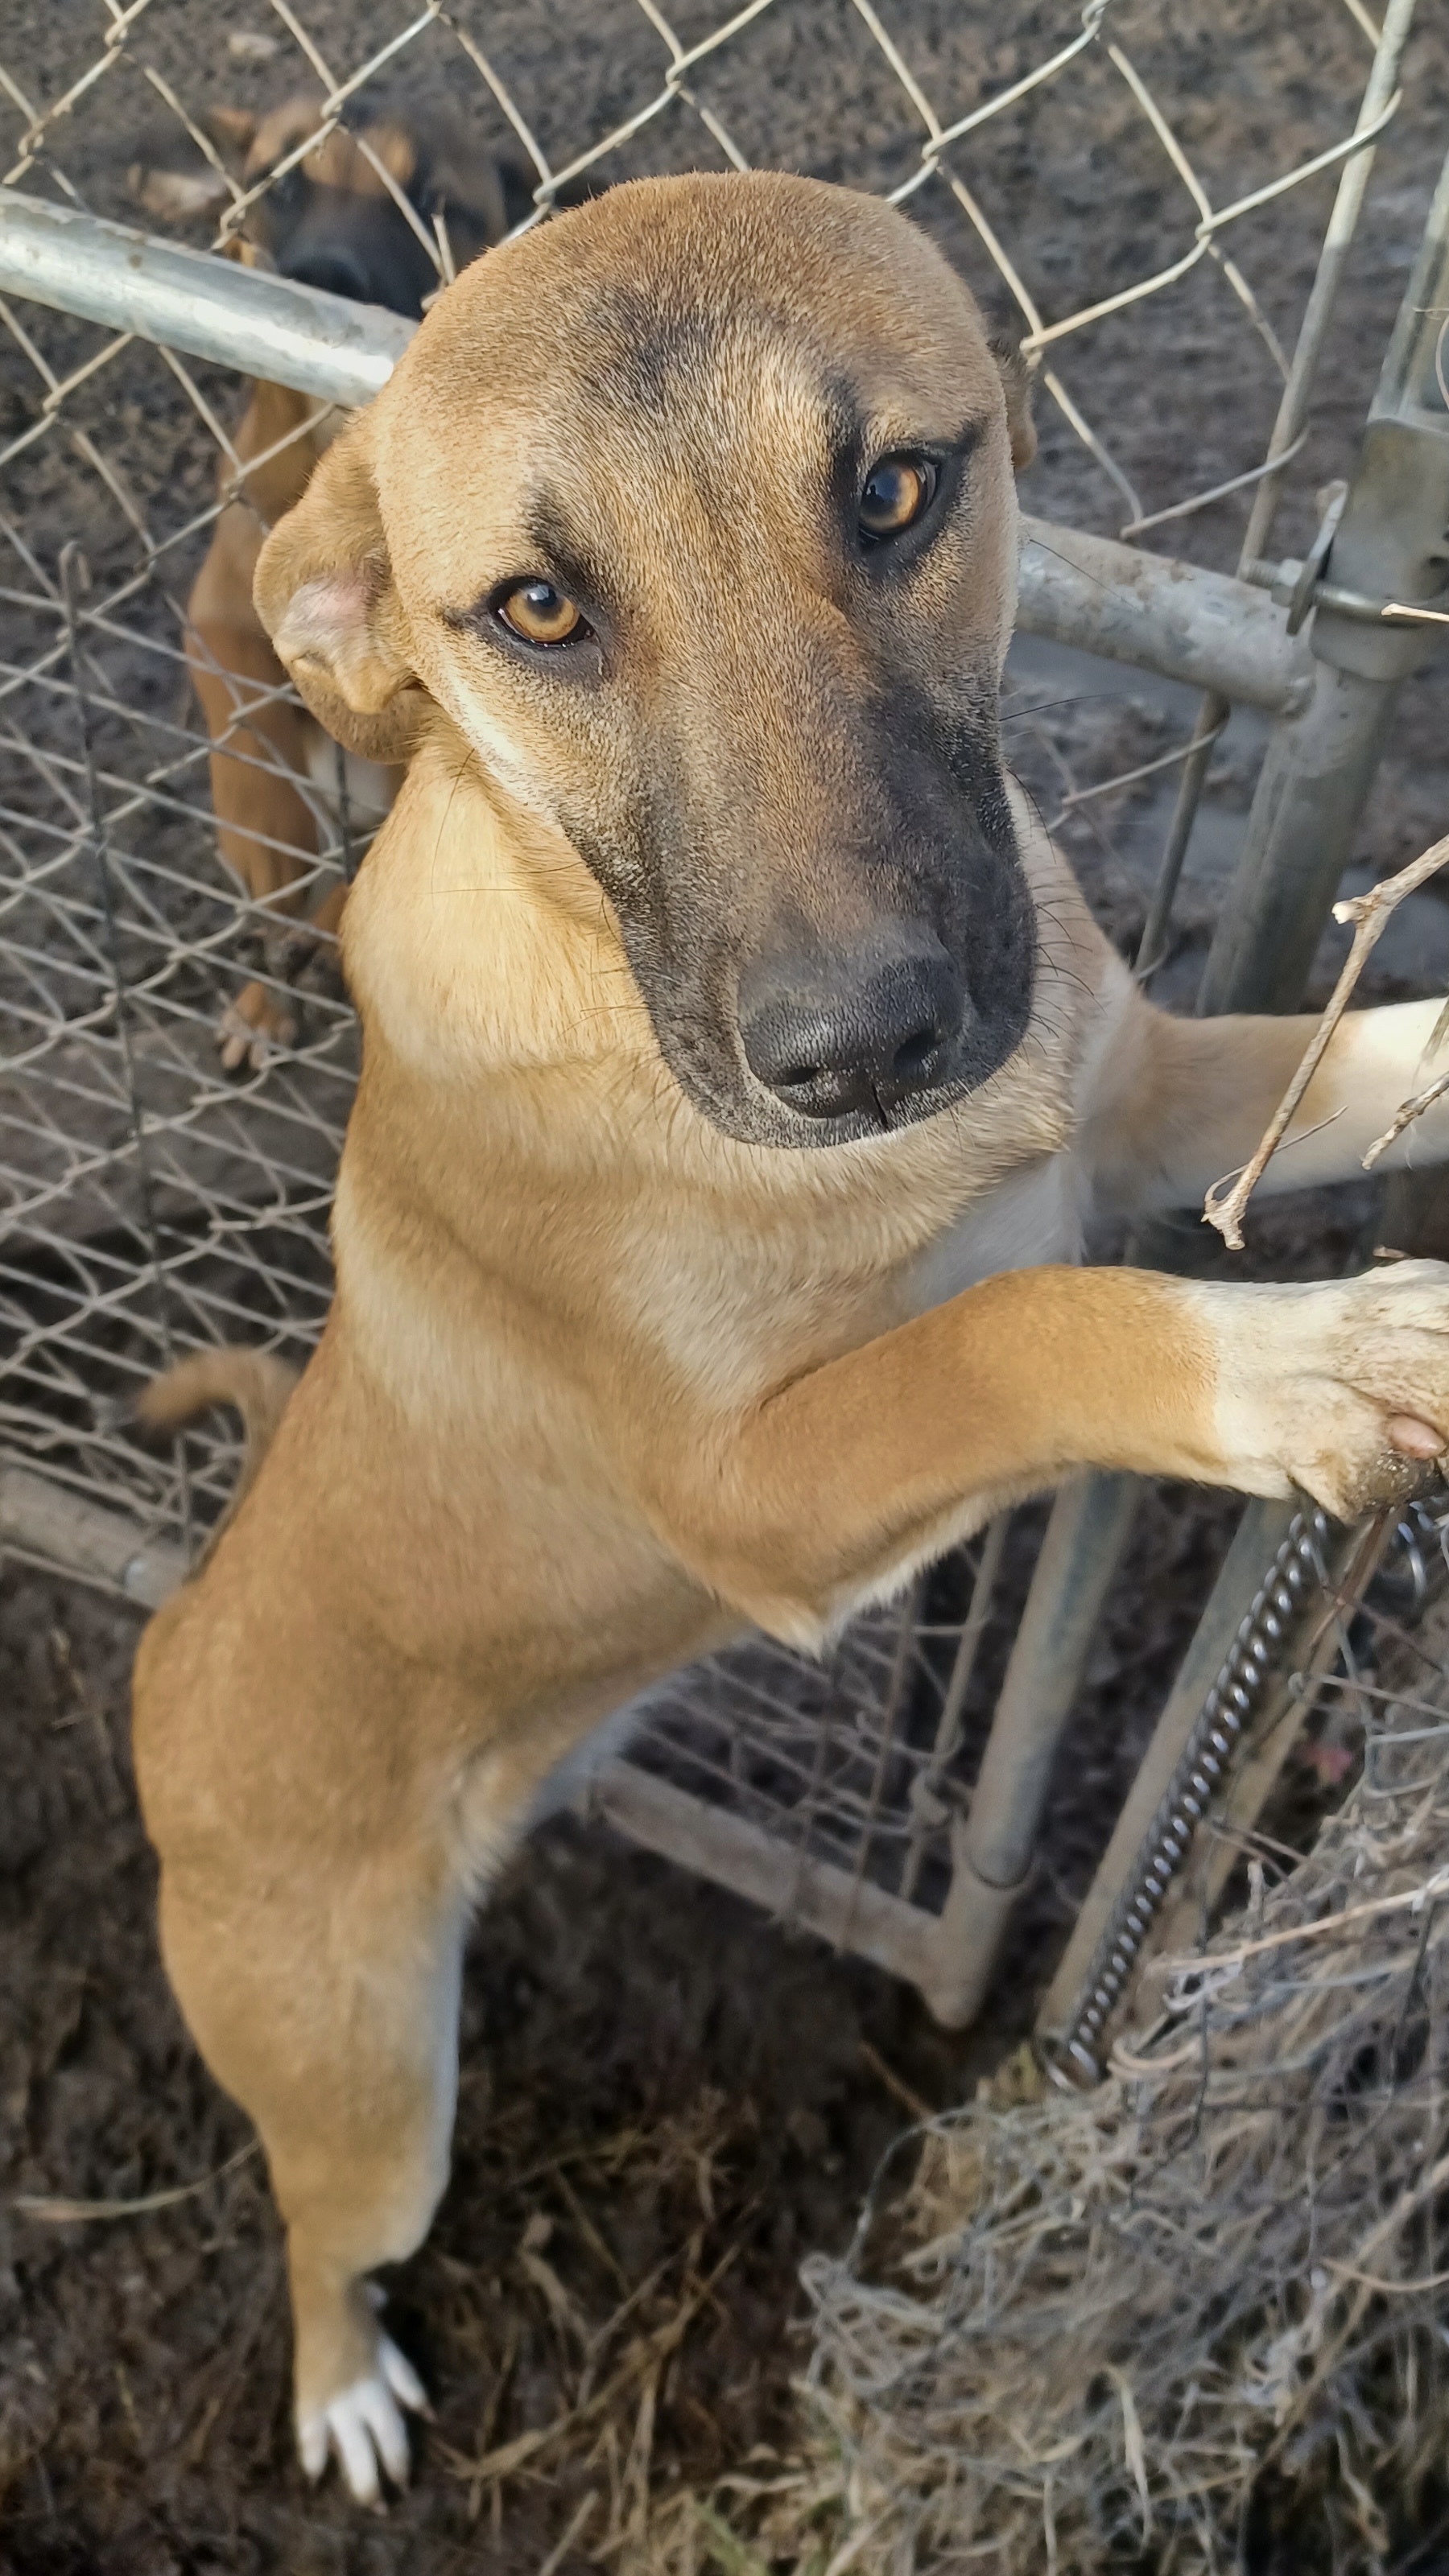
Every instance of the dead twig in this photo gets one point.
(1227, 1200)
(54, 2212)
(1411, 1109)
(1408, 1900)
(895, 2085)
(557, 2555)
(644, 2358)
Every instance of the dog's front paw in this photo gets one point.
(364, 2425)
(253, 1028)
(1341, 1389)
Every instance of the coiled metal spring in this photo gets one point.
(1230, 1704)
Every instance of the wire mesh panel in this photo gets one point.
(840, 1780)
(1135, 192)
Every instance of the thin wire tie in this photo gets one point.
(1219, 492)
(685, 57)
(501, 93)
(1351, 143)
(943, 137)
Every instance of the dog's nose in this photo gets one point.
(851, 1033)
(333, 267)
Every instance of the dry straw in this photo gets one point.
(1149, 2325)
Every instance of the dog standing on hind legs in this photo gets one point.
(741, 1066)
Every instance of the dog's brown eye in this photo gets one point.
(541, 614)
(896, 492)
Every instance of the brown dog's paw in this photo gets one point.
(253, 1028)
(1340, 1389)
(365, 2426)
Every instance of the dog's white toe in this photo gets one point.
(364, 2426)
(401, 2378)
(253, 1028)
(312, 2445)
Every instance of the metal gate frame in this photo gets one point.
(1323, 647)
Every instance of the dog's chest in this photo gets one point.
(1033, 1216)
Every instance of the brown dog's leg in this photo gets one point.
(839, 1483)
(1185, 1102)
(265, 829)
(330, 2014)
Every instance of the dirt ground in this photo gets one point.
(665, 2101)
(655, 2085)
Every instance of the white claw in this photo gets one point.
(364, 2426)
(401, 2377)
(351, 2434)
(384, 2422)
(312, 2444)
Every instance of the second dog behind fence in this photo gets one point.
(742, 1066)
(375, 214)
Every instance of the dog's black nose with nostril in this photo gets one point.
(853, 1033)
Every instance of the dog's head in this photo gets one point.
(358, 212)
(693, 513)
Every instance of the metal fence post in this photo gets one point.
(1391, 549)
(992, 1852)
(1289, 431)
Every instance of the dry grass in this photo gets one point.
(617, 2369)
(1147, 2325)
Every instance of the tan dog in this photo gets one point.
(726, 1016)
(355, 216)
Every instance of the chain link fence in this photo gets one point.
(1158, 199)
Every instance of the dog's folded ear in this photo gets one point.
(324, 592)
(1015, 374)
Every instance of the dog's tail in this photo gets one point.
(256, 1384)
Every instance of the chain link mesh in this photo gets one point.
(158, 1197)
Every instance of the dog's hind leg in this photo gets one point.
(331, 2015)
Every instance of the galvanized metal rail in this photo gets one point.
(192, 301)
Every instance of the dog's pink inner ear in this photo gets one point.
(324, 614)
(329, 629)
